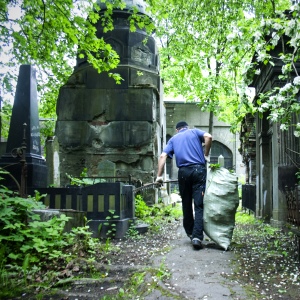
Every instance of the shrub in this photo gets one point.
(23, 236)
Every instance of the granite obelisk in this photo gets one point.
(24, 136)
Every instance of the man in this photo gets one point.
(191, 162)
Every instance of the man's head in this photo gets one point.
(181, 124)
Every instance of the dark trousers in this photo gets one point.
(191, 181)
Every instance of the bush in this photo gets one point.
(142, 210)
(23, 237)
(157, 213)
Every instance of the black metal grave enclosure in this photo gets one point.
(107, 205)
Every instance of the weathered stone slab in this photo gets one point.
(130, 44)
(107, 168)
(143, 78)
(126, 134)
(132, 105)
(89, 79)
(73, 134)
(77, 218)
(135, 104)
(81, 104)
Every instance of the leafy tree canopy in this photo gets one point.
(206, 49)
(49, 35)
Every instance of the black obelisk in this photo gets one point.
(23, 157)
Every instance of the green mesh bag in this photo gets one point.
(221, 200)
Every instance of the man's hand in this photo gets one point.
(159, 180)
(207, 158)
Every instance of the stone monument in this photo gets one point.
(23, 157)
(99, 120)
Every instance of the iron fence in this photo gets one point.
(97, 200)
(109, 202)
(109, 206)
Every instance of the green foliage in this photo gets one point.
(208, 57)
(162, 272)
(24, 238)
(214, 167)
(155, 215)
(137, 279)
(50, 37)
(132, 232)
(205, 57)
(107, 246)
(5, 114)
(83, 180)
(81, 239)
(47, 130)
(29, 246)
(142, 210)
(111, 226)
(244, 218)
(263, 229)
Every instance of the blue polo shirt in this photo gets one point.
(187, 147)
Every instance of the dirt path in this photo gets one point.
(191, 274)
(198, 274)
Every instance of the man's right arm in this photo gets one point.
(207, 142)
(160, 168)
(161, 164)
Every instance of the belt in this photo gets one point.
(193, 166)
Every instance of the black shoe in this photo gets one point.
(197, 244)
(190, 236)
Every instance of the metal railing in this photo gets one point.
(96, 200)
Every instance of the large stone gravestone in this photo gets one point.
(99, 120)
(24, 135)
(107, 169)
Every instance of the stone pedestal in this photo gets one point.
(77, 218)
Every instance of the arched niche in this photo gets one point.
(218, 149)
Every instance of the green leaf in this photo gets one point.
(13, 256)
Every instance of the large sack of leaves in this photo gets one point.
(221, 200)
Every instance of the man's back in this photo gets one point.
(187, 147)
